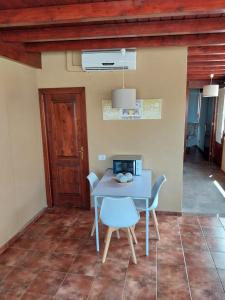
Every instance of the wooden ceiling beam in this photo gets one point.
(207, 58)
(142, 42)
(198, 83)
(186, 26)
(115, 10)
(206, 50)
(17, 52)
(207, 63)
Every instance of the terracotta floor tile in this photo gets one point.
(89, 248)
(75, 232)
(75, 287)
(201, 278)
(23, 243)
(190, 229)
(69, 246)
(167, 219)
(140, 250)
(119, 249)
(47, 282)
(47, 219)
(200, 294)
(106, 289)
(171, 274)
(56, 231)
(114, 268)
(35, 231)
(86, 265)
(188, 220)
(45, 245)
(136, 289)
(194, 242)
(169, 241)
(199, 259)
(34, 260)
(170, 256)
(178, 291)
(164, 229)
(219, 259)
(12, 294)
(12, 256)
(36, 266)
(143, 269)
(59, 262)
(32, 296)
(19, 278)
(4, 271)
(68, 220)
(206, 221)
(216, 244)
(214, 231)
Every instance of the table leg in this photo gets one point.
(147, 228)
(96, 223)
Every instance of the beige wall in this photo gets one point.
(22, 193)
(161, 73)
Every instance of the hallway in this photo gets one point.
(204, 186)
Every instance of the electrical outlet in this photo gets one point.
(101, 157)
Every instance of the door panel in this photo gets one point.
(64, 120)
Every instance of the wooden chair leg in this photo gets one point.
(133, 235)
(131, 245)
(118, 234)
(93, 229)
(156, 224)
(107, 242)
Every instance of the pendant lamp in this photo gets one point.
(124, 98)
(211, 90)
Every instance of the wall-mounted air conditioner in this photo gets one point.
(108, 60)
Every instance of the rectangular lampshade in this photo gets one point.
(211, 90)
(124, 98)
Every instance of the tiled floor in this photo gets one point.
(56, 259)
(201, 181)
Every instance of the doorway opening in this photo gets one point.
(204, 181)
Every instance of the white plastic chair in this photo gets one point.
(140, 205)
(93, 181)
(119, 213)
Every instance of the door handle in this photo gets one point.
(81, 152)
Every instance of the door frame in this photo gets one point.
(85, 166)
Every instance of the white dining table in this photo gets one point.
(139, 188)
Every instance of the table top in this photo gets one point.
(140, 187)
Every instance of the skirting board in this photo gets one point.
(25, 227)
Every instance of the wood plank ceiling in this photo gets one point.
(30, 27)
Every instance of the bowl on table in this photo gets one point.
(124, 178)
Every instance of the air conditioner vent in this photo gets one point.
(108, 60)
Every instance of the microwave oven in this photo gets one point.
(127, 163)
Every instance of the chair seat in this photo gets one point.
(141, 205)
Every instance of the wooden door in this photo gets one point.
(64, 131)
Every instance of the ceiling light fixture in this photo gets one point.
(211, 90)
(124, 98)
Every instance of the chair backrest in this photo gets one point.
(93, 180)
(119, 212)
(156, 188)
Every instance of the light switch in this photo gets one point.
(101, 157)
